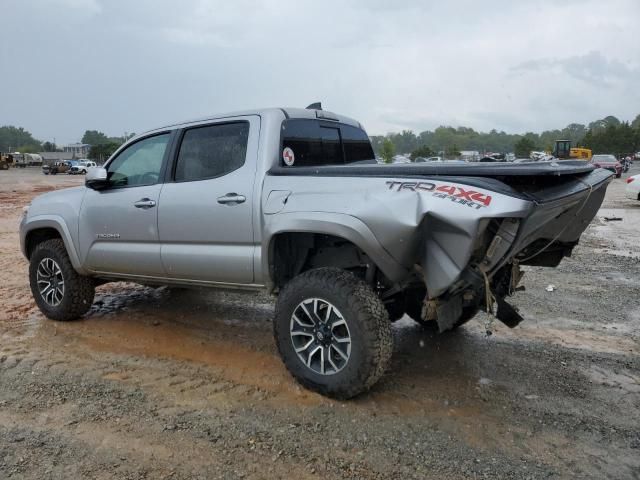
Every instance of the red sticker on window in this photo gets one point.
(288, 157)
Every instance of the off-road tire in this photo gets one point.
(367, 320)
(79, 290)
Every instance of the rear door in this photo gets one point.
(206, 208)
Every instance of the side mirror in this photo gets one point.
(96, 178)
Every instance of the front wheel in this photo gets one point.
(59, 291)
(332, 332)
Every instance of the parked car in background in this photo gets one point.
(81, 167)
(633, 187)
(608, 162)
(427, 160)
(400, 159)
(56, 167)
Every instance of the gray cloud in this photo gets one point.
(593, 68)
(130, 65)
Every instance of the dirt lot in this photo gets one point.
(156, 383)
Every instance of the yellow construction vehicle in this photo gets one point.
(564, 151)
(6, 160)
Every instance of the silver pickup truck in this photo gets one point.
(292, 201)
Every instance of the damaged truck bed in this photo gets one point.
(290, 200)
(450, 231)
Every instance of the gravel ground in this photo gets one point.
(159, 383)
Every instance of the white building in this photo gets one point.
(77, 150)
(470, 155)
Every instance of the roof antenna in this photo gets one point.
(315, 106)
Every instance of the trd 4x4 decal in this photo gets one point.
(454, 193)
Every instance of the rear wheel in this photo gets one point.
(59, 291)
(333, 332)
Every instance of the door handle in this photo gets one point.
(232, 199)
(145, 203)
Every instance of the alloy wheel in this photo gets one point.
(320, 336)
(50, 281)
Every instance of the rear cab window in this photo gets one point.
(310, 142)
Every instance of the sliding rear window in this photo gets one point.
(308, 143)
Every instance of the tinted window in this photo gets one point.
(212, 151)
(324, 143)
(357, 146)
(331, 148)
(140, 163)
(311, 143)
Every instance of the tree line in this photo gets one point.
(607, 135)
(17, 139)
(102, 146)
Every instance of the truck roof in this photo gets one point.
(287, 112)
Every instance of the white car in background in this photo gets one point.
(401, 159)
(82, 167)
(633, 187)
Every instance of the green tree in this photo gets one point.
(523, 147)
(453, 151)
(608, 135)
(49, 147)
(422, 151)
(17, 139)
(100, 153)
(388, 150)
(404, 142)
(94, 137)
(29, 148)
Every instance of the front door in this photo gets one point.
(119, 225)
(205, 212)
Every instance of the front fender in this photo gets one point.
(31, 224)
(337, 224)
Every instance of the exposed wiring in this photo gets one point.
(489, 299)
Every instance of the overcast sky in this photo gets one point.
(131, 65)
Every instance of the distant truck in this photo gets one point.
(82, 167)
(18, 160)
(56, 167)
(33, 159)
